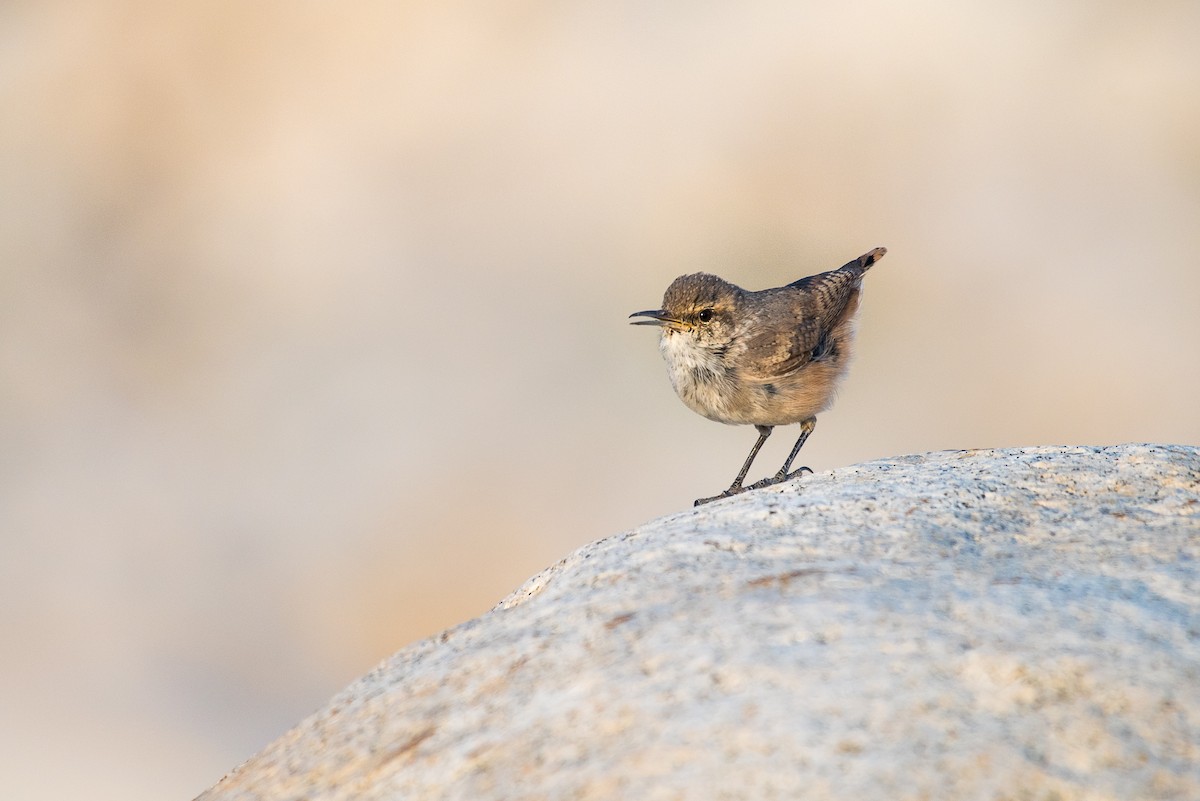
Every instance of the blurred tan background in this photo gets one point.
(312, 315)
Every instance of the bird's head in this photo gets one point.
(699, 306)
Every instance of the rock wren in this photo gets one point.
(766, 358)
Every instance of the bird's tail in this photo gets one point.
(853, 269)
(864, 262)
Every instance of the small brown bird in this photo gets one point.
(766, 358)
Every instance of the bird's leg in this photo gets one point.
(763, 433)
(806, 428)
(736, 486)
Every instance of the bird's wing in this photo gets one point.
(773, 353)
(817, 304)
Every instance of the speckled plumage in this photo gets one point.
(766, 358)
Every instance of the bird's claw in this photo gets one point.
(799, 471)
(738, 489)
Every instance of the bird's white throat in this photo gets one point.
(700, 378)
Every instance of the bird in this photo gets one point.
(765, 358)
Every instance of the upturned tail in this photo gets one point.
(864, 262)
(852, 270)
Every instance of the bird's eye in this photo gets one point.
(705, 315)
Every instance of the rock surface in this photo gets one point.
(997, 624)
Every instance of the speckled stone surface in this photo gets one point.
(992, 624)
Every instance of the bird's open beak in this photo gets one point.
(657, 317)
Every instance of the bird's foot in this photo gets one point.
(799, 471)
(765, 482)
(779, 478)
(736, 489)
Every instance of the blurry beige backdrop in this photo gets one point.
(312, 315)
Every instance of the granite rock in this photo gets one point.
(988, 624)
